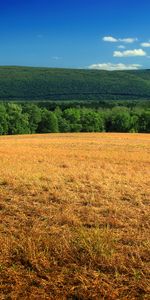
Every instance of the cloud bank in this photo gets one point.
(113, 67)
(127, 53)
(146, 45)
(112, 39)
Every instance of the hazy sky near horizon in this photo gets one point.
(95, 34)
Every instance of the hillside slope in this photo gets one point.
(27, 83)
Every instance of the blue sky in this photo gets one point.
(96, 34)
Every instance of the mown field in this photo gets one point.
(74, 216)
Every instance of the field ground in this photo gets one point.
(74, 216)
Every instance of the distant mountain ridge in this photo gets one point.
(31, 83)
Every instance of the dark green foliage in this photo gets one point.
(34, 115)
(18, 122)
(63, 124)
(91, 121)
(72, 116)
(26, 83)
(3, 120)
(65, 100)
(144, 122)
(134, 123)
(118, 120)
(48, 123)
(29, 118)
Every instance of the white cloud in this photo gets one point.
(112, 67)
(109, 39)
(129, 40)
(115, 40)
(135, 52)
(121, 47)
(56, 57)
(146, 45)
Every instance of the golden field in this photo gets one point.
(75, 216)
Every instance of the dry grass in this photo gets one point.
(75, 216)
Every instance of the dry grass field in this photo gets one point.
(75, 216)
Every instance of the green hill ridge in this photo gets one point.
(32, 83)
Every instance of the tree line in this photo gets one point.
(30, 118)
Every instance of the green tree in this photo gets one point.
(34, 115)
(118, 120)
(72, 117)
(91, 120)
(48, 123)
(144, 122)
(18, 122)
(134, 123)
(63, 124)
(3, 120)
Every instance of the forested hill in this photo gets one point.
(27, 83)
